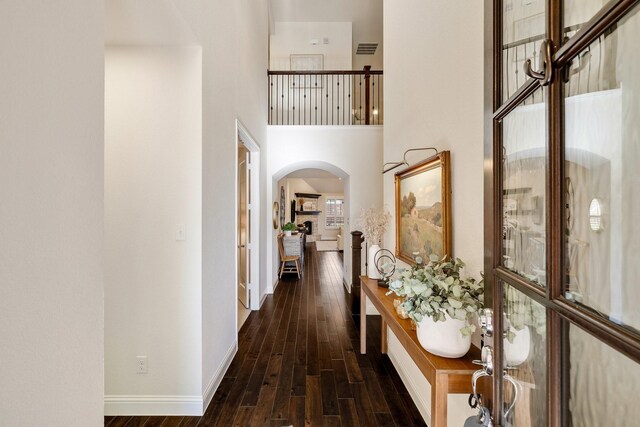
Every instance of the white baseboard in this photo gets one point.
(264, 297)
(270, 289)
(213, 385)
(152, 405)
(169, 405)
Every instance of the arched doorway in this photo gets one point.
(313, 171)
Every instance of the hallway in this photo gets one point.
(297, 364)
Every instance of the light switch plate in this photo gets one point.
(181, 232)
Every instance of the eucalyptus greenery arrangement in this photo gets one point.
(289, 227)
(436, 290)
(521, 311)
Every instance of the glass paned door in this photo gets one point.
(524, 161)
(523, 28)
(525, 360)
(604, 383)
(602, 177)
(564, 198)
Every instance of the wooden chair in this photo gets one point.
(284, 258)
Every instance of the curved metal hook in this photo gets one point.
(544, 64)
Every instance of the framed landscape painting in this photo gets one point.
(423, 209)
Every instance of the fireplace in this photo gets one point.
(308, 225)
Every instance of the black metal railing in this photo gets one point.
(326, 97)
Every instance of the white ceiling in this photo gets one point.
(323, 182)
(366, 15)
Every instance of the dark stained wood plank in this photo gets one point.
(283, 392)
(299, 386)
(334, 347)
(172, 422)
(243, 416)
(154, 421)
(262, 414)
(385, 420)
(107, 420)
(348, 413)
(235, 395)
(343, 389)
(190, 421)
(363, 404)
(378, 402)
(121, 421)
(313, 402)
(313, 364)
(252, 392)
(331, 421)
(136, 422)
(297, 411)
(323, 335)
(274, 422)
(217, 402)
(350, 360)
(324, 356)
(395, 402)
(329, 395)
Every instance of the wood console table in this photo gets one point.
(445, 375)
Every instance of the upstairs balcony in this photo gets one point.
(329, 98)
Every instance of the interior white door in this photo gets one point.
(244, 221)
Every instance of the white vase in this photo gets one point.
(444, 338)
(517, 352)
(372, 271)
(287, 232)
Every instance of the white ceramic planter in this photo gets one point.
(287, 232)
(517, 352)
(372, 271)
(444, 338)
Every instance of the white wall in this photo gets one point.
(234, 40)
(294, 38)
(153, 170)
(51, 213)
(352, 153)
(438, 106)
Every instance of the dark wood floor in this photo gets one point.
(298, 364)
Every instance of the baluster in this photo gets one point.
(350, 103)
(360, 98)
(337, 112)
(367, 95)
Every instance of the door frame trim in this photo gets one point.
(244, 137)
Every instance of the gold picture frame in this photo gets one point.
(423, 209)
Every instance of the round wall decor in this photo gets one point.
(276, 215)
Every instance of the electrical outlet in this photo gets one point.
(141, 365)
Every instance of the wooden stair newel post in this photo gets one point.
(356, 270)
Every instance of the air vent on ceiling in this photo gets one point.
(366, 48)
